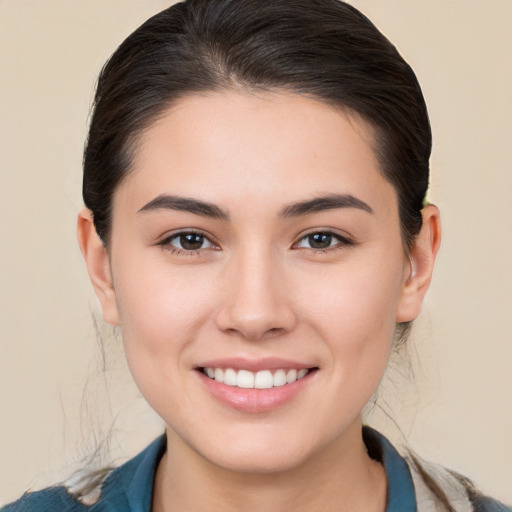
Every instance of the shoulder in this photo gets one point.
(424, 486)
(51, 499)
(436, 484)
(127, 488)
(486, 504)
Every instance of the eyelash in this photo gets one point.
(342, 242)
(166, 243)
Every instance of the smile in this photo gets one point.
(264, 379)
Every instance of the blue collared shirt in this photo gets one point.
(129, 488)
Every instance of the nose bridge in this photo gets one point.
(255, 304)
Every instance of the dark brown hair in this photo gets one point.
(325, 49)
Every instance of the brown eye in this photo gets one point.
(322, 240)
(191, 241)
(187, 241)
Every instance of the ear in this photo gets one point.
(98, 266)
(422, 256)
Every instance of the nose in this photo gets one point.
(256, 302)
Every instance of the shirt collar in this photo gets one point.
(138, 473)
(401, 496)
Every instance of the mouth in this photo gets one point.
(263, 379)
(257, 390)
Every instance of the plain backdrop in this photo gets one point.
(449, 396)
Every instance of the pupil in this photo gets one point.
(320, 240)
(191, 242)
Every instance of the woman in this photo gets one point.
(254, 182)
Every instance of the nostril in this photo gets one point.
(255, 334)
(254, 310)
(275, 331)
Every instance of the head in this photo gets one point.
(325, 49)
(252, 71)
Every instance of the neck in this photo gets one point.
(339, 477)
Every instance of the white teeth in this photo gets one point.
(300, 373)
(279, 378)
(291, 376)
(245, 379)
(263, 379)
(229, 377)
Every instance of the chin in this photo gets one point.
(258, 461)
(260, 449)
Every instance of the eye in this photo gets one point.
(187, 241)
(322, 240)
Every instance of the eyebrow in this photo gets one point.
(185, 204)
(205, 209)
(328, 202)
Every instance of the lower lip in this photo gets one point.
(255, 400)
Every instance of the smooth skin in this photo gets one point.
(257, 283)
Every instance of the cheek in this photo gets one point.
(359, 297)
(161, 313)
(354, 310)
(155, 298)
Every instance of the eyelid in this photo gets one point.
(343, 239)
(165, 241)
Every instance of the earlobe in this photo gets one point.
(422, 256)
(98, 266)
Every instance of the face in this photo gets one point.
(254, 242)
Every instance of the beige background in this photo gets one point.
(456, 409)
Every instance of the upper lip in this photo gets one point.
(254, 365)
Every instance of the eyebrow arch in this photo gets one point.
(185, 204)
(328, 202)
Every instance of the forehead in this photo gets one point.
(264, 146)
